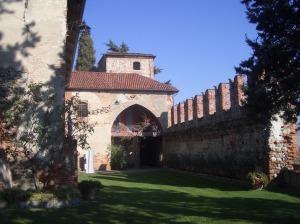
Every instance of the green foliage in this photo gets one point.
(15, 195)
(42, 196)
(273, 69)
(86, 52)
(118, 157)
(257, 180)
(157, 70)
(34, 111)
(66, 193)
(89, 184)
(76, 127)
(88, 188)
(38, 118)
(122, 48)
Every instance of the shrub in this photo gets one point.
(65, 193)
(15, 195)
(88, 188)
(42, 196)
(258, 180)
(118, 157)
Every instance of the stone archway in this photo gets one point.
(137, 130)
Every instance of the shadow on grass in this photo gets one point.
(130, 198)
(135, 205)
(175, 179)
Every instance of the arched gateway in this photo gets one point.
(136, 107)
(138, 132)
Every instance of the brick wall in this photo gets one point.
(218, 137)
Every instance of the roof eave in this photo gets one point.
(116, 90)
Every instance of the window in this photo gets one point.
(136, 66)
(83, 109)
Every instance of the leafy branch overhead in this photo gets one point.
(273, 70)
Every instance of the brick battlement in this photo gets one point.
(212, 133)
(221, 103)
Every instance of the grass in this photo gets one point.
(166, 197)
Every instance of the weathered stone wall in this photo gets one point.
(33, 37)
(212, 133)
(125, 65)
(115, 102)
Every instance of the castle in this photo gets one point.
(209, 133)
(125, 86)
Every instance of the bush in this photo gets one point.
(65, 193)
(42, 196)
(118, 157)
(88, 188)
(258, 180)
(15, 195)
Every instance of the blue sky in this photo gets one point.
(197, 42)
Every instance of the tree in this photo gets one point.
(122, 48)
(38, 121)
(273, 70)
(77, 127)
(86, 52)
(157, 70)
(34, 115)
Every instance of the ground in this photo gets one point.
(167, 197)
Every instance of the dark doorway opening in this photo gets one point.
(136, 132)
(150, 152)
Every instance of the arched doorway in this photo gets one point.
(137, 132)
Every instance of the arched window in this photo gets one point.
(136, 65)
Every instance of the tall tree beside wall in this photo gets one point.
(86, 52)
(273, 69)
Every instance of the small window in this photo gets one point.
(83, 109)
(136, 66)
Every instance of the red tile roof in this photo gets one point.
(84, 80)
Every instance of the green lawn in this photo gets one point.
(166, 197)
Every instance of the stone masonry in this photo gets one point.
(117, 87)
(217, 136)
(38, 38)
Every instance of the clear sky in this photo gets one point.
(197, 42)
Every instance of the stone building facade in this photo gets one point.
(38, 39)
(118, 89)
(114, 62)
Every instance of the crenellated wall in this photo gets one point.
(212, 133)
(226, 97)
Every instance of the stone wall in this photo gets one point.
(212, 133)
(114, 103)
(33, 40)
(125, 65)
